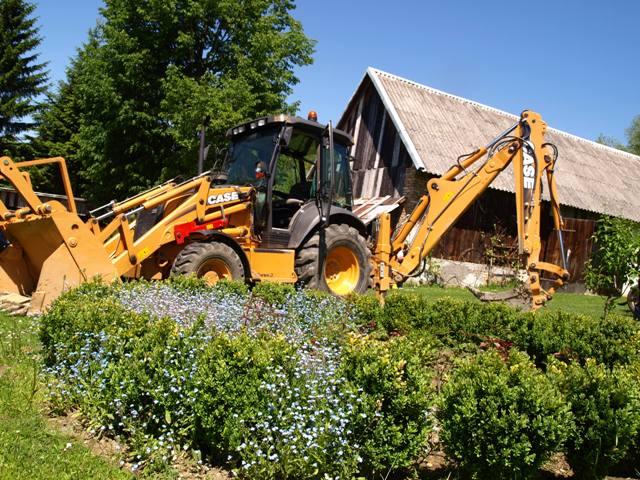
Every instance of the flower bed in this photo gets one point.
(275, 383)
(280, 383)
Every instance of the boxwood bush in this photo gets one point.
(457, 324)
(394, 380)
(611, 341)
(605, 405)
(501, 417)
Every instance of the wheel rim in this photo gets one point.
(341, 271)
(214, 270)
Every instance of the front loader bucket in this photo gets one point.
(48, 254)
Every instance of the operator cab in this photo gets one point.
(287, 159)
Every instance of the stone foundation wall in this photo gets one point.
(452, 273)
(465, 274)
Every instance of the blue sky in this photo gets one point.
(576, 62)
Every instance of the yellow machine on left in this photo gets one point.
(48, 248)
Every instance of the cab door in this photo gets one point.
(290, 186)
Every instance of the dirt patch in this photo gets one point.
(556, 468)
(436, 466)
(71, 426)
(116, 453)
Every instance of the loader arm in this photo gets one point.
(189, 204)
(449, 196)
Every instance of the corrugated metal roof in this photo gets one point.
(436, 127)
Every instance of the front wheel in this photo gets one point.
(211, 261)
(345, 260)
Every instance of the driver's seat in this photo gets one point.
(301, 191)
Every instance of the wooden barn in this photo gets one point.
(406, 133)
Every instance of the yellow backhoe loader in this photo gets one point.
(278, 209)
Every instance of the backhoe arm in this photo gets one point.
(449, 196)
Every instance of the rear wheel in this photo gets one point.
(345, 265)
(212, 261)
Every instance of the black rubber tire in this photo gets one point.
(308, 257)
(192, 257)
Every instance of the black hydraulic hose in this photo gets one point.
(554, 201)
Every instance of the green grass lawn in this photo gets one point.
(571, 302)
(29, 448)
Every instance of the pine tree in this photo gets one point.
(22, 78)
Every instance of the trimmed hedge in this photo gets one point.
(278, 383)
(501, 417)
(394, 379)
(459, 324)
(606, 410)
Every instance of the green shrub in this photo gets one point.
(453, 321)
(631, 462)
(306, 423)
(563, 334)
(611, 341)
(394, 379)
(464, 321)
(456, 323)
(403, 311)
(617, 341)
(129, 375)
(275, 294)
(501, 418)
(606, 410)
(367, 311)
(89, 309)
(230, 372)
(187, 283)
(231, 287)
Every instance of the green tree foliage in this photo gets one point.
(633, 135)
(129, 112)
(22, 78)
(614, 261)
(633, 138)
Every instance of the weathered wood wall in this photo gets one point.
(487, 231)
(381, 159)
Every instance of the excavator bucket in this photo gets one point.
(519, 298)
(46, 249)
